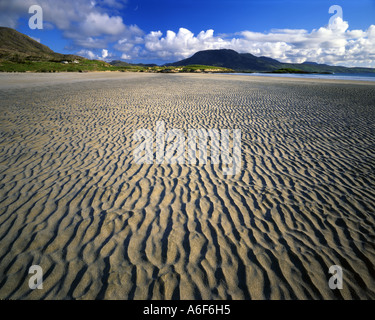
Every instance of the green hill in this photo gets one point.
(20, 53)
(17, 47)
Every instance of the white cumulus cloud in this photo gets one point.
(183, 43)
(105, 55)
(96, 24)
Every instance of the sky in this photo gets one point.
(335, 32)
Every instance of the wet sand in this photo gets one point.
(73, 201)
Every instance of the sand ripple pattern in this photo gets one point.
(73, 201)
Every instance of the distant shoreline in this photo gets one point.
(339, 76)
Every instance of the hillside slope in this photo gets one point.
(17, 47)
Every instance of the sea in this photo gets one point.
(336, 76)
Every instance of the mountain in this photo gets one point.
(230, 59)
(311, 63)
(246, 62)
(17, 47)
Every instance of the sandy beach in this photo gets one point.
(74, 202)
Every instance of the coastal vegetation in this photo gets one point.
(85, 65)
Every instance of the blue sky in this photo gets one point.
(163, 31)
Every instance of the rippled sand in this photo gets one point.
(73, 201)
